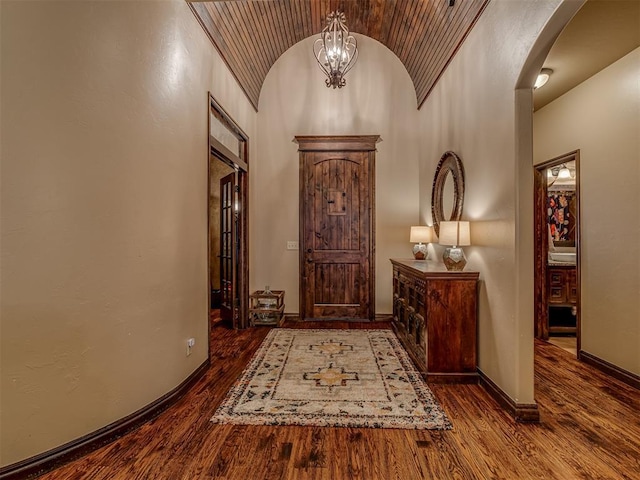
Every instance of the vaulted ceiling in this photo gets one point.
(251, 34)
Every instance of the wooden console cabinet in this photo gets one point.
(435, 318)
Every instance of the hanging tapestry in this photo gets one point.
(561, 213)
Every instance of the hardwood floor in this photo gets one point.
(590, 428)
(566, 343)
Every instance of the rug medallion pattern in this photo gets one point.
(355, 378)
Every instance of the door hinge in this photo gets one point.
(237, 188)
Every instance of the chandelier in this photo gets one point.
(336, 50)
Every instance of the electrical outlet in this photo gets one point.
(292, 245)
(190, 344)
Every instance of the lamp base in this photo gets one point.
(420, 251)
(454, 259)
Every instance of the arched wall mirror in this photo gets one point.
(447, 194)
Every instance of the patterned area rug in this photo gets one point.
(337, 378)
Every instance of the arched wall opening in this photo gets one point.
(481, 109)
(600, 117)
(378, 99)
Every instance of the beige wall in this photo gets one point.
(475, 111)
(379, 98)
(104, 211)
(601, 118)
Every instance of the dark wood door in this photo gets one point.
(228, 250)
(336, 233)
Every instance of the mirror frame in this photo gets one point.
(449, 163)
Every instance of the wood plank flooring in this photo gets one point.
(590, 429)
(566, 343)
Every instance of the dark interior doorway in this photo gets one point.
(557, 248)
(228, 218)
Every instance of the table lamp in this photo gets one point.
(455, 234)
(420, 235)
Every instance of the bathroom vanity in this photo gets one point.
(562, 292)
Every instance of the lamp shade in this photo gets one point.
(420, 235)
(454, 233)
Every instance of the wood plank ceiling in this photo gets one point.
(251, 34)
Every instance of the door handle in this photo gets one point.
(309, 250)
(309, 260)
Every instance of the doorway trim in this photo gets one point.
(541, 244)
(217, 151)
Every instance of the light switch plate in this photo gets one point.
(292, 245)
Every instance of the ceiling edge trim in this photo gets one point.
(200, 12)
(455, 52)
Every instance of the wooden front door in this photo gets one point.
(228, 250)
(336, 227)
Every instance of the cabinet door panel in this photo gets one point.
(556, 277)
(452, 346)
(557, 294)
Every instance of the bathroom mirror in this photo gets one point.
(447, 193)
